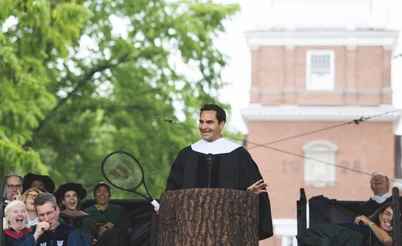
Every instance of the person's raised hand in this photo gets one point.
(41, 227)
(258, 187)
(362, 219)
(17, 196)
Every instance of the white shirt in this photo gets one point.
(381, 199)
(32, 222)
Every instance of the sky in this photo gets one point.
(257, 14)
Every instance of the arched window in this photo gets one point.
(319, 168)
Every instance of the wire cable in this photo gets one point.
(300, 135)
(355, 121)
(256, 145)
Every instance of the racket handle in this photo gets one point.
(155, 204)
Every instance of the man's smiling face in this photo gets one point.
(102, 196)
(209, 127)
(386, 219)
(379, 183)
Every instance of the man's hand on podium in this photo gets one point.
(258, 187)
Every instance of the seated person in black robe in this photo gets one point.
(70, 197)
(112, 223)
(41, 182)
(15, 219)
(49, 231)
(375, 231)
(379, 184)
(13, 188)
(214, 162)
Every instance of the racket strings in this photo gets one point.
(123, 171)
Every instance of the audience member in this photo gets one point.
(379, 184)
(28, 198)
(379, 224)
(41, 182)
(112, 223)
(49, 231)
(15, 218)
(13, 187)
(377, 230)
(70, 197)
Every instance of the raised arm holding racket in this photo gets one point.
(124, 171)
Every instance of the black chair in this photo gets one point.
(324, 210)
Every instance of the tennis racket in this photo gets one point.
(124, 171)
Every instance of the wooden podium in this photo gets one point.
(208, 217)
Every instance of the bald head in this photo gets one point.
(379, 183)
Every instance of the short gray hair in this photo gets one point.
(43, 198)
(14, 175)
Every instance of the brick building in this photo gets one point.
(308, 78)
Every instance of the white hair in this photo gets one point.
(8, 209)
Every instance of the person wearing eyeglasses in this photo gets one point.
(49, 231)
(13, 187)
(28, 198)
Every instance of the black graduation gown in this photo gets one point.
(346, 234)
(234, 170)
(63, 235)
(371, 206)
(10, 236)
(86, 223)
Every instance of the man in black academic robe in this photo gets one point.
(379, 184)
(49, 231)
(63, 235)
(215, 162)
(13, 188)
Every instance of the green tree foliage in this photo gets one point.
(24, 52)
(80, 79)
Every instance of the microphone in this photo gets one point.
(210, 163)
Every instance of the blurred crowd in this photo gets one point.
(36, 213)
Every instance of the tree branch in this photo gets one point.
(79, 84)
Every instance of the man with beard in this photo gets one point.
(232, 166)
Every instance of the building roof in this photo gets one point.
(331, 36)
(258, 112)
